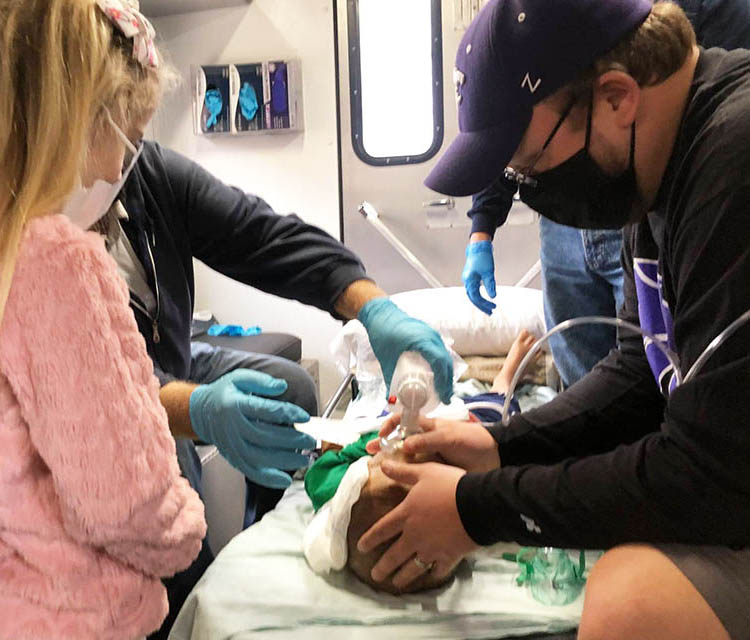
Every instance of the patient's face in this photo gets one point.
(378, 497)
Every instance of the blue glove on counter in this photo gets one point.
(480, 269)
(392, 332)
(252, 432)
(233, 330)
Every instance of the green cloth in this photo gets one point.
(324, 476)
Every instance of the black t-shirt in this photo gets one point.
(719, 23)
(618, 458)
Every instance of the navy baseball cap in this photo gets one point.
(514, 54)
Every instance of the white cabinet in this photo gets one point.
(157, 8)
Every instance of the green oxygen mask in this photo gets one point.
(552, 576)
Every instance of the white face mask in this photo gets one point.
(87, 205)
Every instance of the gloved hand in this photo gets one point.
(480, 268)
(252, 432)
(214, 104)
(392, 332)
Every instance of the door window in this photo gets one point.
(396, 68)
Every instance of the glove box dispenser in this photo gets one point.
(250, 98)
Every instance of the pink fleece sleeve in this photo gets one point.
(89, 396)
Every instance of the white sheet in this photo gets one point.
(261, 586)
(340, 432)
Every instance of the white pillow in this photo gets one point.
(352, 351)
(450, 312)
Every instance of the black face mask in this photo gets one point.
(577, 193)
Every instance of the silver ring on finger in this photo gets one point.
(424, 566)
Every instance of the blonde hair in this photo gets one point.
(63, 66)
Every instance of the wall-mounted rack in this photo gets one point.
(159, 8)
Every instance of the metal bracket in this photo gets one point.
(370, 213)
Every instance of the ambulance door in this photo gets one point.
(398, 114)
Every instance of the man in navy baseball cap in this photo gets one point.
(515, 54)
(606, 113)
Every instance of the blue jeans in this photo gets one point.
(581, 276)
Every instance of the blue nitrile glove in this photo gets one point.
(214, 104)
(480, 269)
(392, 332)
(252, 432)
(248, 101)
(233, 330)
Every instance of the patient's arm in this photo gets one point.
(379, 496)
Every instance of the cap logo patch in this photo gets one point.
(528, 84)
(458, 79)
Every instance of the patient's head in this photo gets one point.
(379, 496)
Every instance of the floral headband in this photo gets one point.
(125, 15)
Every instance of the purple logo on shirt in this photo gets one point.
(656, 318)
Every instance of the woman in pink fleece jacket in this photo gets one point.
(93, 510)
